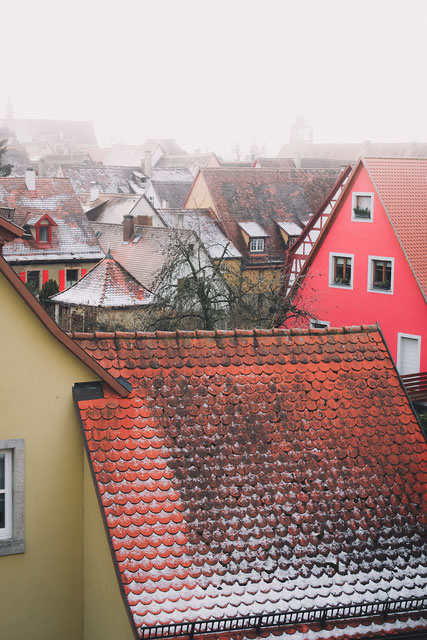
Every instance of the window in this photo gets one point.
(319, 324)
(362, 206)
(33, 279)
(292, 240)
(381, 274)
(5, 494)
(11, 497)
(341, 270)
(256, 245)
(72, 277)
(44, 233)
(408, 353)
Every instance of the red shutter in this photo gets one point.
(23, 276)
(45, 276)
(61, 279)
(84, 272)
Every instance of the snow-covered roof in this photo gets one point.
(253, 229)
(202, 223)
(108, 284)
(291, 228)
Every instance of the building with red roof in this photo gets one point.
(259, 479)
(368, 261)
(58, 243)
(249, 483)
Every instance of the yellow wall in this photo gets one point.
(42, 588)
(53, 269)
(199, 197)
(104, 611)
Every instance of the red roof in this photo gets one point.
(266, 195)
(72, 237)
(402, 186)
(258, 471)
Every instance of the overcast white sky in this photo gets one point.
(212, 73)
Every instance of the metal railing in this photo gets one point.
(281, 619)
(416, 386)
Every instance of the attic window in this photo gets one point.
(44, 233)
(137, 238)
(362, 206)
(292, 240)
(98, 234)
(257, 245)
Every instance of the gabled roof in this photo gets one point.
(253, 229)
(401, 185)
(110, 179)
(72, 238)
(108, 377)
(259, 471)
(289, 163)
(266, 195)
(108, 284)
(171, 174)
(174, 193)
(205, 224)
(143, 256)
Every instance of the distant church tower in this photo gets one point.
(301, 132)
(8, 111)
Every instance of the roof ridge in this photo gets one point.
(219, 333)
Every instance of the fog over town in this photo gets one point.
(213, 74)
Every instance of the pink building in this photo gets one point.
(369, 260)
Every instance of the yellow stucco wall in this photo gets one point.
(53, 269)
(199, 196)
(104, 611)
(42, 588)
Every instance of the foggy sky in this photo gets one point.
(212, 73)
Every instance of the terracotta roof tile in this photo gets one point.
(108, 284)
(402, 185)
(256, 471)
(266, 195)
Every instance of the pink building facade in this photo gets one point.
(360, 272)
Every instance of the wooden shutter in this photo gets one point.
(61, 279)
(23, 276)
(84, 272)
(45, 275)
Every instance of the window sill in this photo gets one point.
(387, 292)
(10, 547)
(340, 286)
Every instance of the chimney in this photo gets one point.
(297, 160)
(94, 191)
(30, 179)
(147, 164)
(128, 228)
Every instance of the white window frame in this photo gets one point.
(399, 349)
(354, 195)
(6, 531)
(12, 538)
(256, 241)
(371, 288)
(313, 321)
(332, 284)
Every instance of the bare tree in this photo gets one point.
(194, 291)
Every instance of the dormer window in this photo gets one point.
(257, 245)
(44, 233)
(362, 206)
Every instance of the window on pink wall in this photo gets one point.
(341, 270)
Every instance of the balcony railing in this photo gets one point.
(416, 386)
(281, 619)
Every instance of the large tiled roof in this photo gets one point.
(110, 179)
(266, 195)
(402, 186)
(187, 161)
(72, 237)
(258, 471)
(305, 163)
(143, 258)
(108, 284)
